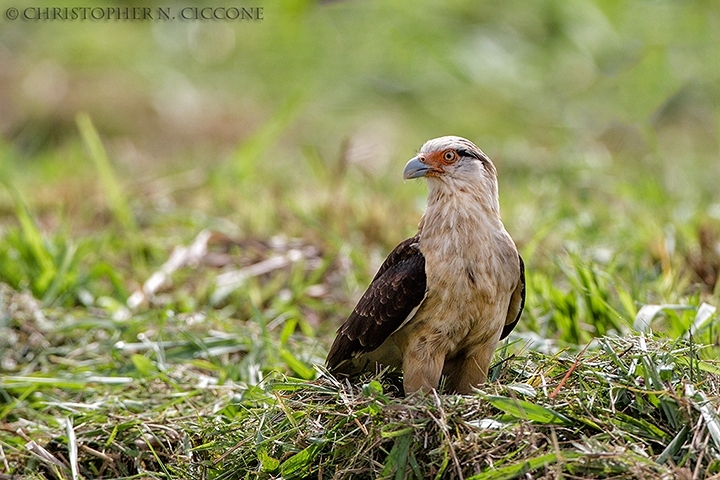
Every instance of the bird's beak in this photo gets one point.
(415, 169)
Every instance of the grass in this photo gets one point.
(174, 261)
(173, 385)
(628, 407)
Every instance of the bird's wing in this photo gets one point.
(517, 302)
(393, 296)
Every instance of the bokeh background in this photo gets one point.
(602, 117)
(190, 208)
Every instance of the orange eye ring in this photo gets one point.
(449, 156)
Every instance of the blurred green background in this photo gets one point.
(602, 117)
(276, 147)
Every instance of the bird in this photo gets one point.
(442, 299)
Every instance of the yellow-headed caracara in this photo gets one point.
(442, 299)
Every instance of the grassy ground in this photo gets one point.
(175, 260)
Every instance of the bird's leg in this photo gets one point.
(470, 371)
(422, 368)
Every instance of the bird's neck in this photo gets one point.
(469, 200)
(459, 215)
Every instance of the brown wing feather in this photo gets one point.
(517, 303)
(398, 287)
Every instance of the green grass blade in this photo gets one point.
(640, 427)
(116, 198)
(521, 468)
(41, 258)
(296, 365)
(526, 410)
(68, 258)
(300, 462)
(674, 446)
(397, 460)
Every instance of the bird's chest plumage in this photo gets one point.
(471, 268)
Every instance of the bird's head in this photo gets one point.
(454, 163)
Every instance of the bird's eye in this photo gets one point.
(449, 156)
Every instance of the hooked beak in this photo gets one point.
(415, 169)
